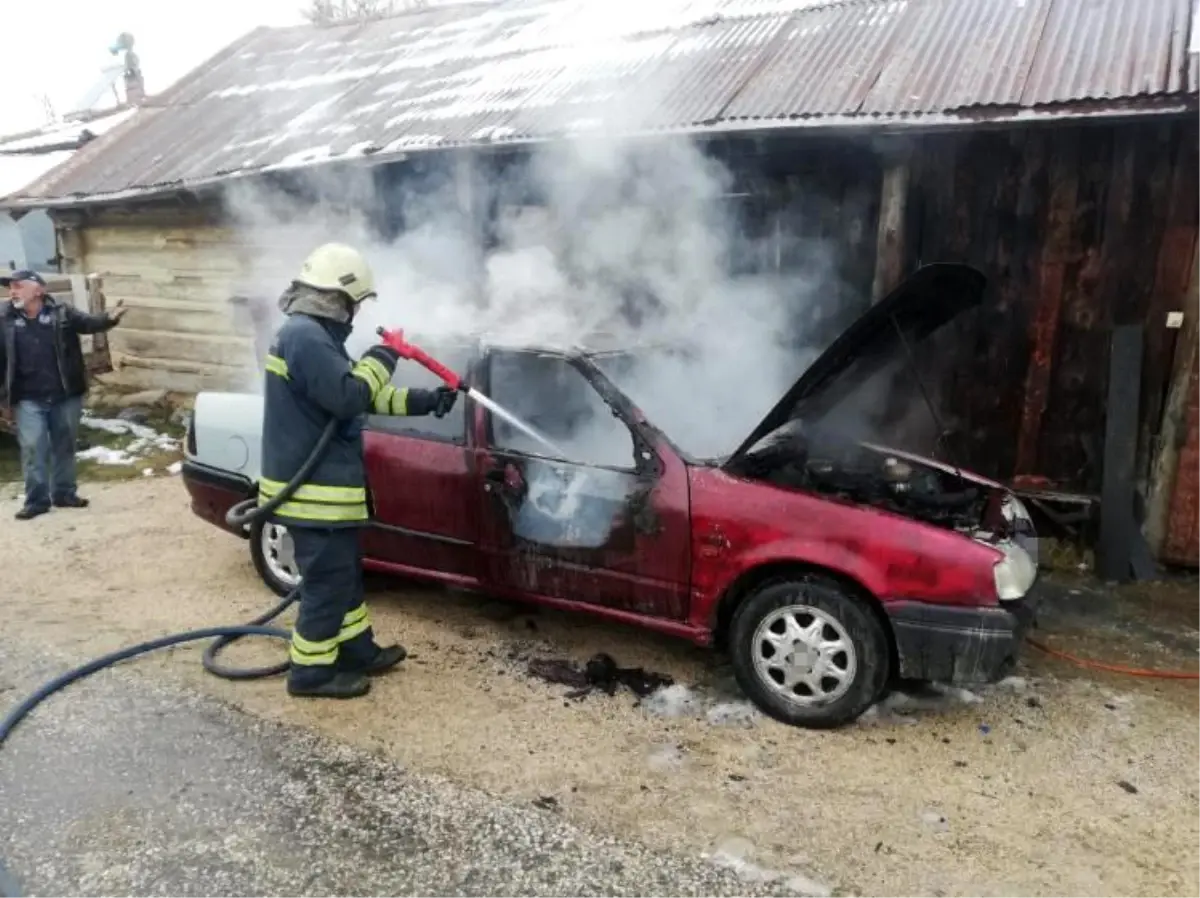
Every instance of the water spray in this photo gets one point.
(395, 339)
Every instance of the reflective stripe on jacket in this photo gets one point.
(310, 378)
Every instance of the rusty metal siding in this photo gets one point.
(529, 69)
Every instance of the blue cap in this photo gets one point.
(24, 274)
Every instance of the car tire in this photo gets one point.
(271, 552)
(779, 616)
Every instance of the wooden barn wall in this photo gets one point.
(178, 269)
(1078, 228)
(175, 269)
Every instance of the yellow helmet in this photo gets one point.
(335, 266)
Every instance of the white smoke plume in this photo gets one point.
(631, 244)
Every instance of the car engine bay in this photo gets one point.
(845, 469)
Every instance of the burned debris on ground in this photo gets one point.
(600, 673)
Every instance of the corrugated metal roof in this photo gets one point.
(28, 158)
(515, 70)
(63, 134)
(17, 171)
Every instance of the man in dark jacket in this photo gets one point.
(310, 380)
(44, 382)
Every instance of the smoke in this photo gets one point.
(632, 245)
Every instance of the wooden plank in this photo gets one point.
(1173, 431)
(1071, 444)
(153, 373)
(1173, 278)
(1063, 185)
(1118, 526)
(889, 243)
(141, 238)
(184, 347)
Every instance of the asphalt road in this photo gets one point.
(121, 786)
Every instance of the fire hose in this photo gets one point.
(239, 515)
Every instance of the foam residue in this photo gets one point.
(734, 854)
(680, 701)
(739, 714)
(676, 700)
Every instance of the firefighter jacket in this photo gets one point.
(310, 379)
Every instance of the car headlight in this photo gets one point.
(1020, 526)
(1014, 574)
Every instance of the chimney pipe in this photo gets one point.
(135, 88)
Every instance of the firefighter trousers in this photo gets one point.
(333, 629)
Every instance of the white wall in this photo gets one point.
(27, 243)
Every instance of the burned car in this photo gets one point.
(823, 568)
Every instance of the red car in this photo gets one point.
(824, 566)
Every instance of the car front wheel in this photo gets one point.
(274, 556)
(809, 652)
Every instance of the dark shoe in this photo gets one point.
(29, 512)
(385, 659)
(73, 502)
(371, 660)
(343, 685)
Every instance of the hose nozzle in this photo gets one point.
(395, 340)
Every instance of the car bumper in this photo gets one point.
(214, 492)
(960, 645)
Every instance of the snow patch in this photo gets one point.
(118, 426)
(105, 456)
(145, 440)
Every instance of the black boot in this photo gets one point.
(343, 684)
(385, 659)
(364, 655)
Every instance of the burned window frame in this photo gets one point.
(646, 460)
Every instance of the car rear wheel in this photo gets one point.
(274, 556)
(808, 651)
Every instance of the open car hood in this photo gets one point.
(928, 300)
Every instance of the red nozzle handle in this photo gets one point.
(395, 339)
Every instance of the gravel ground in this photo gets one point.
(126, 787)
(1057, 782)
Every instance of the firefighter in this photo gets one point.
(310, 378)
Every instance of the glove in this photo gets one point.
(436, 402)
(443, 401)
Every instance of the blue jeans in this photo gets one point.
(48, 432)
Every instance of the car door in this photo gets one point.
(604, 521)
(422, 485)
